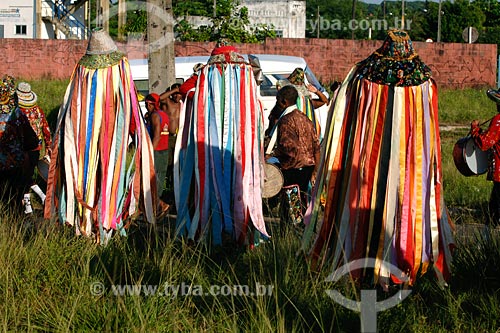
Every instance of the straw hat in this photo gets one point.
(25, 96)
(395, 62)
(101, 51)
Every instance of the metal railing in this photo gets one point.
(62, 16)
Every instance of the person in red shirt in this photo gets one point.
(157, 123)
(486, 140)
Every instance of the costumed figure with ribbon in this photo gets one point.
(27, 101)
(380, 172)
(218, 159)
(488, 141)
(17, 138)
(94, 183)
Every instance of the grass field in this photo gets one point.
(52, 281)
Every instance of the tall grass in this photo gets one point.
(50, 279)
(460, 107)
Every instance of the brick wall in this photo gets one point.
(454, 65)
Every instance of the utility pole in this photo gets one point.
(317, 20)
(353, 16)
(402, 14)
(122, 17)
(439, 23)
(161, 45)
(105, 15)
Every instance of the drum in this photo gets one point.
(469, 159)
(43, 168)
(273, 181)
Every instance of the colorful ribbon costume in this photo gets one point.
(94, 182)
(380, 170)
(218, 161)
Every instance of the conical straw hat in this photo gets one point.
(100, 43)
(101, 51)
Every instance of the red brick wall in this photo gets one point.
(453, 65)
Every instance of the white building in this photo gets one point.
(44, 19)
(17, 19)
(288, 18)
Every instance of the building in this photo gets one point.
(17, 19)
(69, 19)
(288, 18)
(45, 19)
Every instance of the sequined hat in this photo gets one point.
(395, 62)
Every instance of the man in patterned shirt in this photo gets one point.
(297, 145)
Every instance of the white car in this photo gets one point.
(274, 67)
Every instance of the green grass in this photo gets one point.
(48, 280)
(48, 275)
(460, 107)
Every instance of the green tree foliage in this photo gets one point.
(194, 8)
(490, 32)
(137, 23)
(333, 20)
(231, 22)
(457, 16)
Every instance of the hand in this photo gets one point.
(311, 88)
(474, 123)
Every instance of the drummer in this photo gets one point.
(490, 139)
(296, 142)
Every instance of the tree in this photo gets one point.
(334, 19)
(231, 22)
(490, 33)
(457, 16)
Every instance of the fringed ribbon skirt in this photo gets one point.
(94, 183)
(381, 179)
(219, 158)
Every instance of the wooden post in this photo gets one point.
(161, 45)
(105, 15)
(122, 18)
